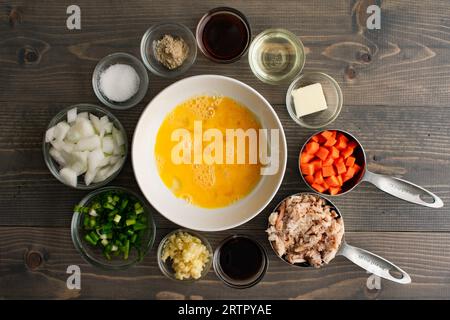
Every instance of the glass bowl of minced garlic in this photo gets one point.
(168, 49)
(184, 255)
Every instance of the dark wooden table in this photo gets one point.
(396, 86)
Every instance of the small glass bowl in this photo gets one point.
(268, 61)
(156, 32)
(54, 167)
(166, 267)
(234, 283)
(122, 58)
(333, 96)
(207, 17)
(94, 255)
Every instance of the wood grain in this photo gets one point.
(396, 87)
(402, 141)
(404, 63)
(340, 279)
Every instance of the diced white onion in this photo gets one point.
(61, 130)
(89, 176)
(108, 144)
(94, 159)
(83, 115)
(84, 127)
(68, 176)
(72, 115)
(88, 145)
(118, 137)
(57, 156)
(50, 134)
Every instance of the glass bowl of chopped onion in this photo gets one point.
(168, 49)
(120, 80)
(85, 146)
(184, 255)
(113, 228)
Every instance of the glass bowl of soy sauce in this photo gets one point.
(223, 34)
(240, 262)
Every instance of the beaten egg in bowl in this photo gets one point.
(183, 145)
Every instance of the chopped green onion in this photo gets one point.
(130, 222)
(113, 221)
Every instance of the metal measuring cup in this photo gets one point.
(396, 187)
(363, 258)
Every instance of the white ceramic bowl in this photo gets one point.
(143, 157)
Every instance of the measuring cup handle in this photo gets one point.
(373, 263)
(403, 189)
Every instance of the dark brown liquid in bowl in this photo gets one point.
(241, 258)
(225, 36)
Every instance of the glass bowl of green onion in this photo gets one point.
(113, 228)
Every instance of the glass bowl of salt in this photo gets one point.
(120, 80)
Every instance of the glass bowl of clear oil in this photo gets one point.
(276, 56)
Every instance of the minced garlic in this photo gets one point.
(188, 254)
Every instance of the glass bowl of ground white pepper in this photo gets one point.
(168, 49)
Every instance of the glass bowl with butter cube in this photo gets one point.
(314, 100)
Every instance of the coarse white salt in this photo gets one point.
(119, 82)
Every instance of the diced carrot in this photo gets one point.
(325, 185)
(332, 181)
(356, 167)
(307, 169)
(342, 137)
(330, 142)
(341, 181)
(328, 161)
(334, 152)
(334, 133)
(312, 147)
(350, 161)
(340, 166)
(350, 173)
(322, 153)
(318, 177)
(306, 157)
(328, 171)
(345, 178)
(347, 152)
(326, 134)
(318, 187)
(341, 143)
(317, 164)
(352, 144)
(334, 190)
(315, 138)
(309, 179)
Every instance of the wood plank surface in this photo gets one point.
(340, 279)
(404, 63)
(396, 87)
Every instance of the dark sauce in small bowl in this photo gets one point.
(240, 262)
(223, 34)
